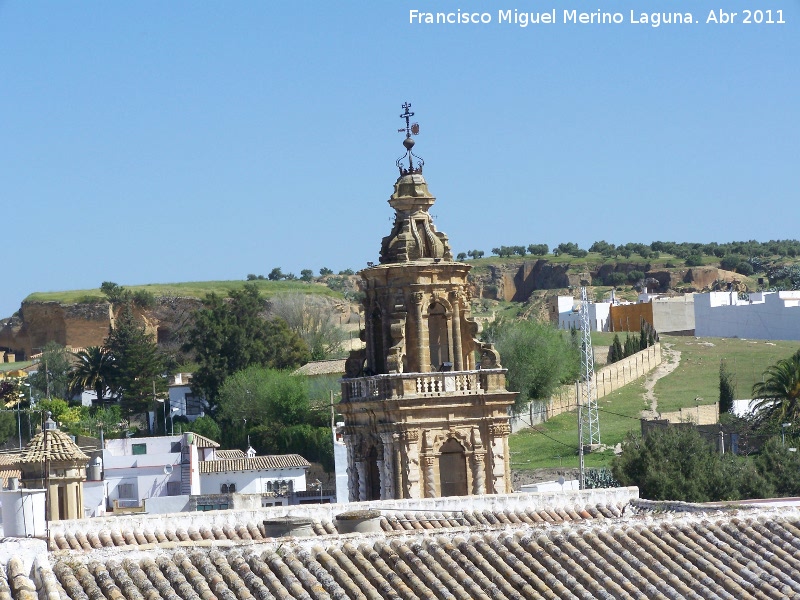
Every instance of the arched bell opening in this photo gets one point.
(373, 474)
(379, 349)
(452, 469)
(438, 338)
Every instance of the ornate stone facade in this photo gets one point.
(425, 404)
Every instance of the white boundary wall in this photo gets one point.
(764, 316)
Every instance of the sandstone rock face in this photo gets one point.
(87, 324)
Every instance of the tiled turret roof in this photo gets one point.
(60, 447)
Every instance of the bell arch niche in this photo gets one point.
(439, 335)
(373, 474)
(378, 346)
(453, 469)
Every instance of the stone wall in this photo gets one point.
(704, 414)
(607, 379)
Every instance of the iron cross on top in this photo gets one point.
(410, 128)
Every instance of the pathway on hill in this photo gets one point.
(670, 362)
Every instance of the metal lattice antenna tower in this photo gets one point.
(591, 423)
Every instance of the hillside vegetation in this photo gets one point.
(555, 442)
(190, 289)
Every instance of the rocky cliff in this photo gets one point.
(516, 281)
(87, 324)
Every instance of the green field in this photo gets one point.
(15, 365)
(192, 289)
(555, 442)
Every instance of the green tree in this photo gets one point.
(273, 409)
(676, 463)
(94, 370)
(325, 271)
(8, 426)
(52, 377)
(779, 467)
(276, 274)
(538, 357)
(461, 256)
(56, 407)
(228, 336)
(138, 364)
(307, 275)
(778, 394)
(205, 426)
(727, 388)
(313, 318)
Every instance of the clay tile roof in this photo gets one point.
(7, 462)
(256, 463)
(333, 366)
(226, 454)
(744, 554)
(202, 441)
(60, 447)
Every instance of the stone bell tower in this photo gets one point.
(425, 403)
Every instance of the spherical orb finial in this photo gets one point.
(408, 143)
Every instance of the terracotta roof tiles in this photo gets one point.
(60, 447)
(256, 463)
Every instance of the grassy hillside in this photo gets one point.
(555, 442)
(191, 289)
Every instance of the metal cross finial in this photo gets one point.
(407, 114)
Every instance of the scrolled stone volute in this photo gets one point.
(414, 236)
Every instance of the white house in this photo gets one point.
(182, 398)
(762, 315)
(569, 313)
(276, 478)
(136, 469)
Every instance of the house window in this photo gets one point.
(173, 488)
(193, 405)
(125, 491)
(139, 449)
(223, 489)
(232, 488)
(175, 447)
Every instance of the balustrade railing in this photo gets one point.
(398, 385)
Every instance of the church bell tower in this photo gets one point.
(424, 403)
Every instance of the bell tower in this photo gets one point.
(425, 404)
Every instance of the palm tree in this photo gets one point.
(778, 394)
(94, 370)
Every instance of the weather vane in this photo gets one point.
(410, 129)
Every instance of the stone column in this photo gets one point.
(399, 490)
(411, 439)
(478, 474)
(361, 469)
(430, 481)
(352, 474)
(458, 352)
(423, 347)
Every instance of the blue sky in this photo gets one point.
(155, 142)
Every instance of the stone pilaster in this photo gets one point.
(501, 476)
(387, 467)
(458, 351)
(423, 349)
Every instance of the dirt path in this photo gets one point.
(672, 359)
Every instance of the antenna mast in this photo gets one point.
(589, 419)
